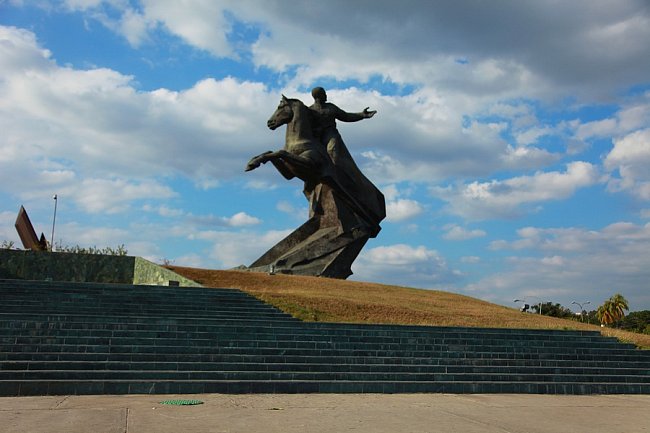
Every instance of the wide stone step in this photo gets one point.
(135, 320)
(83, 287)
(234, 331)
(159, 302)
(26, 388)
(36, 301)
(16, 335)
(265, 351)
(16, 366)
(149, 311)
(475, 345)
(73, 375)
(439, 359)
(81, 321)
(79, 338)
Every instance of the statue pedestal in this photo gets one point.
(325, 245)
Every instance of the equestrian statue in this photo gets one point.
(345, 208)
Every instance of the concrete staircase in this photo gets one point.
(83, 338)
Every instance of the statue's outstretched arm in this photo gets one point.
(344, 116)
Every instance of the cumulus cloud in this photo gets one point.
(562, 264)
(454, 232)
(231, 249)
(632, 116)
(240, 219)
(630, 157)
(404, 265)
(495, 68)
(96, 121)
(91, 133)
(592, 53)
(505, 199)
(470, 259)
(402, 209)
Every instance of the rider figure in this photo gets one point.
(347, 173)
(325, 128)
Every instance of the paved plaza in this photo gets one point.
(306, 413)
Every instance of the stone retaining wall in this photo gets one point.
(97, 268)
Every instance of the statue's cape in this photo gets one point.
(352, 179)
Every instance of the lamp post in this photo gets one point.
(581, 309)
(56, 199)
(539, 303)
(523, 309)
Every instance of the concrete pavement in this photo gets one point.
(306, 413)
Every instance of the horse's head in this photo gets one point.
(281, 116)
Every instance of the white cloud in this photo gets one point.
(631, 158)
(470, 259)
(72, 234)
(630, 117)
(295, 212)
(399, 208)
(201, 23)
(104, 126)
(402, 209)
(531, 135)
(455, 232)
(561, 264)
(592, 55)
(164, 211)
(134, 26)
(526, 157)
(404, 265)
(240, 219)
(504, 199)
(231, 249)
(111, 196)
(190, 260)
(91, 134)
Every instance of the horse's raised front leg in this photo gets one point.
(258, 160)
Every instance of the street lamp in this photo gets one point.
(525, 306)
(581, 309)
(539, 303)
(56, 199)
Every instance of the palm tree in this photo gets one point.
(612, 309)
(619, 303)
(604, 313)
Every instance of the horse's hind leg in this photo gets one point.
(303, 166)
(283, 168)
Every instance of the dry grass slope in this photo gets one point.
(329, 300)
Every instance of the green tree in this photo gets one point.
(636, 321)
(553, 310)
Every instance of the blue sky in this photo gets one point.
(512, 140)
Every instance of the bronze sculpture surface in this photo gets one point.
(345, 208)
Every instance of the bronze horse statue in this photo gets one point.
(339, 223)
(302, 155)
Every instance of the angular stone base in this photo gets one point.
(326, 245)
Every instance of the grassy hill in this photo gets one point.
(330, 300)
